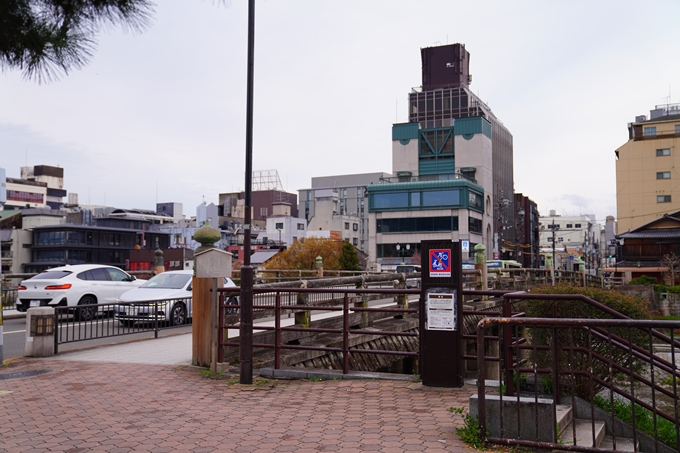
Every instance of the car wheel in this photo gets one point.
(86, 313)
(127, 323)
(232, 301)
(178, 314)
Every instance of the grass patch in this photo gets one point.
(644, 419)
(667, 318)
(470, 432)
(316, 379)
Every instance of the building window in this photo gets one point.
(279, 226)
(663, 199)
(417, 224)
(347, 225)
(650, 131)
(415, 198)
(677, 129)
(569, 225)
(663, 175)
(390, 200)
(355, 241)
(355, 226)
(577, 225)
(475, 200)
(665, 151)
(475, 225)
(441, 198)
(550, 239)
(301, 226)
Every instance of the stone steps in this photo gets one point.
(584, 432)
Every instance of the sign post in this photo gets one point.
(441, 308)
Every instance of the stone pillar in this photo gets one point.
(201, 346)
(303, 318)
(582, 270)
(363, 303)
(319, 266)
(550, 267)
(480, 265)
(40, 332)
(158, 262)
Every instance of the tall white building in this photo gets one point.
(571, 238)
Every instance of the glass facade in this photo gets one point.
(426, 195)
(417, 224)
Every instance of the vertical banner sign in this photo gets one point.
(440, 263)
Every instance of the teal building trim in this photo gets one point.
(436, 153)
(404, 132)
(426, 195)
(468, 127)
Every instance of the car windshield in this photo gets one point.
(167, 281)
(50, 275)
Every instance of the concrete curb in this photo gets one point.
(13, 315)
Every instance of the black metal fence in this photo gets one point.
(89, 322)
(9, 298)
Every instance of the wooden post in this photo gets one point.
(201, 331)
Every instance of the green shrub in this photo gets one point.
(643, 280)
(666, 289)
(631, 306)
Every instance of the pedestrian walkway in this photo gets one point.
(145, 397)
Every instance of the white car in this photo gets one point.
(74, 285)
(164, 297)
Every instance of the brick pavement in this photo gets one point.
(83, 407)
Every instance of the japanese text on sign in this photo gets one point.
(441, 311)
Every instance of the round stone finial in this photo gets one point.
(207, 235)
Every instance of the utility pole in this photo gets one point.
(554, 227)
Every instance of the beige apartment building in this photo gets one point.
(648, 168)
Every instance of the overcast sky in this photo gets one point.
(161, 116)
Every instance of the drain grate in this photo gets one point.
(22, 374)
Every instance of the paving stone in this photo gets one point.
(122, 407)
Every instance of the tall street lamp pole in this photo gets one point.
(246, 326)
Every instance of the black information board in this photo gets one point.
(441, 307)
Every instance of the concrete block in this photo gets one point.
(533, 416)
(38, 344)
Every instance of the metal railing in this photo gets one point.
(9, 298)
(608, 371)
(276, 303)
(90, 322)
